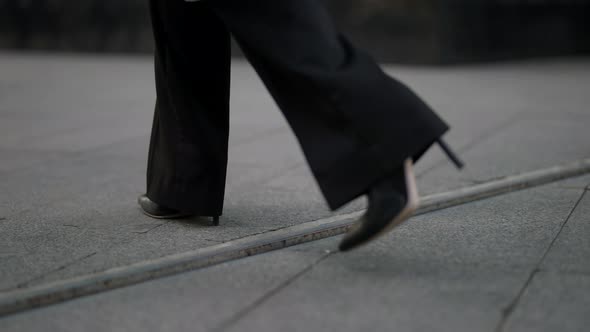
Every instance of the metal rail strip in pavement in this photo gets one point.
(59, 291)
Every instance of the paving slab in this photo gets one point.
(478, 103)
(581, 182)
(557, 298)
(450, 270)
(19, 158)
(197, 301)
(76, 151)
(64, 229)
(371, 298)
(67, 224)
(71, 102)
(116, 103)
(523, 146)
(573, 244)
(553, 302)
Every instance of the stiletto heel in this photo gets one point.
(216, 221)
(447, 150)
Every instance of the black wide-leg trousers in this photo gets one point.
(355, 124)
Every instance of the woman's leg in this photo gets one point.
(188, 149)
(356, 125)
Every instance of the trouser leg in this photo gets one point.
(188, 149)
(355, 124)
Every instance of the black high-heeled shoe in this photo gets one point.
(391, 202)
(155, 210)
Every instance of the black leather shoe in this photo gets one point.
(154, 210)
(391, 202)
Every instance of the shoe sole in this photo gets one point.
(173, 216)
(408, 210)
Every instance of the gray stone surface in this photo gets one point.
(487, 107)
(573, 244)
(575, 183)
(74, 153)
(520, 147)
(554, 302)
(557, 298)
(196, 301)
(451, 270)
(334, 297)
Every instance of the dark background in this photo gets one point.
(408, 31)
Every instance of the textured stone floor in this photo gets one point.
(74, 133)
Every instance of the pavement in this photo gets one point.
(74, 134)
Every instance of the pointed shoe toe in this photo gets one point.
(391, 202)
(154, 210)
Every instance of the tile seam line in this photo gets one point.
(60, 291)
(511, 307)
(234, 319)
